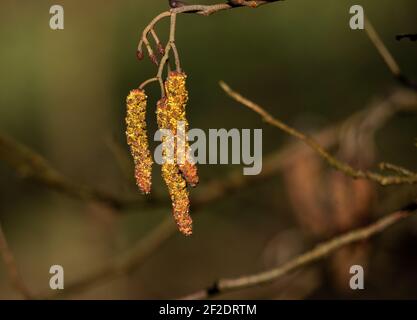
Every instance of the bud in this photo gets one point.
(161, 49)
(154, 59)
(139, 55)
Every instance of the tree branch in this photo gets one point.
(380, 112)
(30, 165)
(22, 159)
(11, 267)
(178, 7)
(387, 56)
(319, 252)
(209, 193)
(383, 180)
(181, 7)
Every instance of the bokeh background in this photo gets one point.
(62, 94)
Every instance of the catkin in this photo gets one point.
(137, 138)
(171, 174)
(177, 98)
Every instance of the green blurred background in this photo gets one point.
(62, 93)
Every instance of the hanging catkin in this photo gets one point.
(171, 174)
(177, 98)
(137, 138)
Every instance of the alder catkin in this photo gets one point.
(171, 174)
(137, 138)
(177, 98)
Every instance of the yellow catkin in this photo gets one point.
(137, 138)
(177, 98)
(175, 182)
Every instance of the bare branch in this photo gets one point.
(387, 56)
(124, 264)
(383, 180)
(320, 252)
(178, 7)
(21, 157)
(31, 165)
(157, 42)
(11, 267)
(145, 83)
(398, 169)
(214, 8)
(169, 46)
(213, 191)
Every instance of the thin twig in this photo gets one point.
(383, 180)
(22, 157)
(177, 8)
(31, 165)
(217, 189)
(145, 83)
(147, 30)
(176, 56)
(172, 41)
(157, 42)
(207, 10)
(387, 56)
(124, 264)
(397, 169)
(151, 53)
(211, 192)
(162, 64)
(11, 267)
(319, 252)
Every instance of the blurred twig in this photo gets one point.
(235, 181)
(397, 169)
(30, 165)
(384, 180)
(123, 160)
(122, 265)
(11, 267)
(321, 251)
(387, 56)
(21, 157)
(209, 193)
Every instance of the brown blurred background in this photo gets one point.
(62, 93)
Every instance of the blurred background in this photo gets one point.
(62, 94)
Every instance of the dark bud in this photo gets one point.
(161, 49)
(154, 59)
(236, 2)
(139, 55)
(176, 3)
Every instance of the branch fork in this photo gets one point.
(160, 55)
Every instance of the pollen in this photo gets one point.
(177, 98)
(137, 138)
(176, 183)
